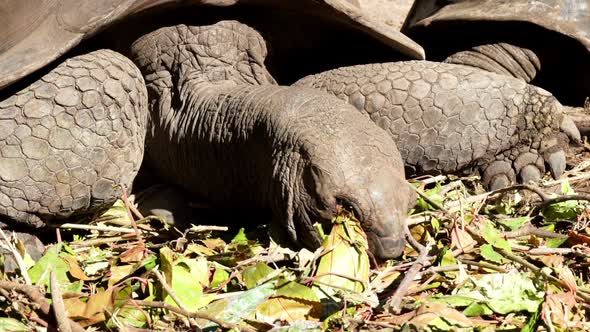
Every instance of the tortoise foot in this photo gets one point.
(526, 167)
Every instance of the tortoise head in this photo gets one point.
(365, 179)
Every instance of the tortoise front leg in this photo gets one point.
(447, 118)
(71, 139)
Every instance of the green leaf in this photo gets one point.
(125, 315)
(568, 210)
(432, 194)
(255, 273)
(116, 214)
(533, 322)
(487, 251)
(345, 263)
(240, 238)
(166, 261)
(446, 258)
(555, 242)
(238, 307)
(294, 290)
(119, 272)
(13, 325)
(186, 284)
(504, 293)
(477, 309)
(128, 316)
(219, 276)
(435, 224)
(39, 273)
(494, 237)
(514, 223)
(95, 261)
(454, 300)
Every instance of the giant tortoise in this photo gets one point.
(545, 42)
(76, 114)
(216, 123)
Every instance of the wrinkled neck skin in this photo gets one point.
(220, 128)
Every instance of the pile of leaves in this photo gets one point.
(512, 260)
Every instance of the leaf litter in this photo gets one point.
(512, 260)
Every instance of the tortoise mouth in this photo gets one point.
(386, 247)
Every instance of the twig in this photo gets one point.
(188, 314)
(205, 228)
(104, 228)
(8, 245)
(169, 290)
(428, 179)
(394, 302)
(550, 251)
(544, 197)
(415, 244)
(39, 321)
(131, 220)
(456, 267)
(172, 294)
(99, 241)
(532, 230)
(379, 324)
(35, 295)
(59, 309)
(483, 265)
(444, 268)
(578, 197)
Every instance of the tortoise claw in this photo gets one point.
(530, 173)
(498, 174)
(568, 126)
(556, 162)
(499, 181)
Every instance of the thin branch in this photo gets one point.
(37, 297)
(103, 240)
(395, 300)
(550, 251)
(124, 230)
(59, 309)
(130, 215)
(578, 197)
(415, 244)
(532, 230)
(206, 228)
(169, 290)
(483, 265)
(544, 197)
(394, 303)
